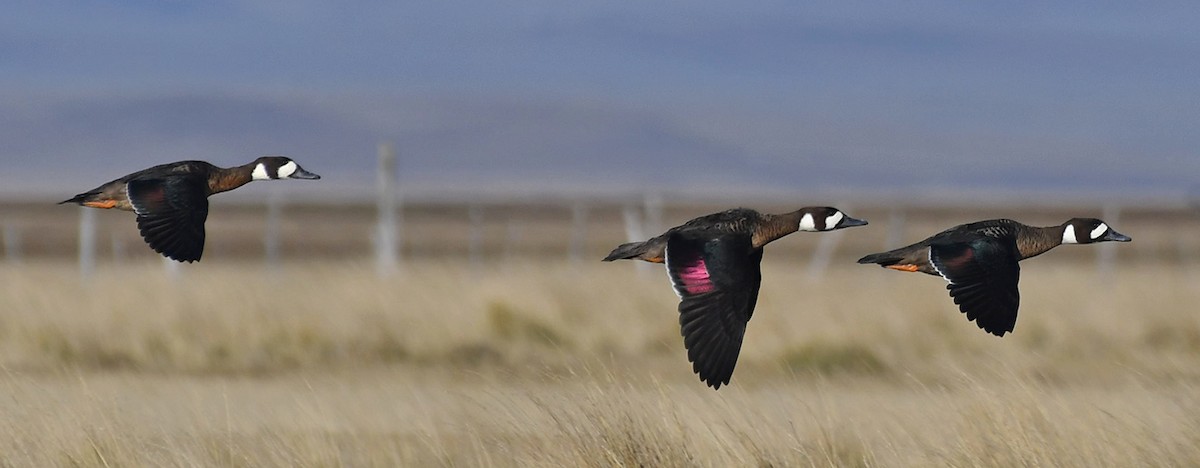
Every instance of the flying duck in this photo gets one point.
(171, 200)
(979, 260)
(713, 263)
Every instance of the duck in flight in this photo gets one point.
(979, 260)
(713, 263)
(171, 200)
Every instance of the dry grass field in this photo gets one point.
(545, 362)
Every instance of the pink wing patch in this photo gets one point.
(961, 260)
(694, 278)
(148, 200)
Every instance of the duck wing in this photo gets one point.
(983, 275)
(170, 214)
(717, 277)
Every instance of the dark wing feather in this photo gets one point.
(717, 279)
(983, 275)
(170, 214)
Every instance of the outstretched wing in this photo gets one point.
(170, 214)
(983, 277)
(717, 279)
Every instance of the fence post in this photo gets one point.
(118, 249)
(386, 252)
(271, 241)
(475, 237)
(635, 231)
(12, 244)
(172, 268)
(823, 254)
(652, 203)
(897, 219)
(87, 242)
(1106, 254)
(579, 219)
(513, 232)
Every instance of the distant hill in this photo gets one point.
(500, 144)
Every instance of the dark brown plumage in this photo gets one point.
(979, 260)
(713, 262)
(171, 200)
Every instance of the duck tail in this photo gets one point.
(890, 257)
(626, 251)
(78, 199)
(94, 199)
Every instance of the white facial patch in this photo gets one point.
(287, 169)
(833, 220)
(260, 172)
(1069, 235)
(807, 223)
(1099, 231)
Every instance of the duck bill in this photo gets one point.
(1115, 236)
(851, 222)
(303, 174)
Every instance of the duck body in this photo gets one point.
(713, 262)
(114, 194)
(1005, 233)
(735, 222)
(980, 262)
(171, 200)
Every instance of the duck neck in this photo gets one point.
(773, 227)
(1034, 241)
(226, 179)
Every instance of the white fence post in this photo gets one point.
(271, 240)
(653, 206)
(513, 233)
(118, 249)
(895, 229)
(475, 237)
(386, 238)
(823, 254)
(579, 221)
(172, 268)
(87, 242)
(635, 231)
(12, 244)
(1106, 254)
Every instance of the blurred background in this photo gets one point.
(591, 106)
(438, 293)
(917, 99)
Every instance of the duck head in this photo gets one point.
(825, 218)
(279, 167)
(1090, 230)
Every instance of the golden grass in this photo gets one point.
(547, 364)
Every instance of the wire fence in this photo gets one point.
(574, 229)
(484, 232)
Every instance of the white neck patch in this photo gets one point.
(833, 220)
(260, 172)
(807, 223)
(1099, 231)
(1069, 235)
(287, 169)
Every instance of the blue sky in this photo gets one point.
(1089, 96)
